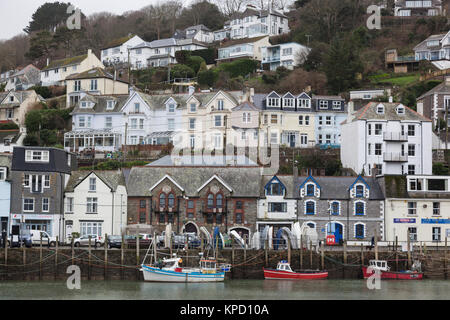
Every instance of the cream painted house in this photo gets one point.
(250, 48)
(95, 203)
(419, 204)
(14, 106)
(286, 119)
(56, 72)
(95, 81)
(245, 125)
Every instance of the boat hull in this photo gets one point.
(394, 275)
(274, 274)
(152, 274)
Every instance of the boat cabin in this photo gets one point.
(379, 264)
(284, 266)
(170, 264)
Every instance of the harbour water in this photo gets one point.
(228, 290)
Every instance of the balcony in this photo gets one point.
(395, 157)
(395, 136)
(271, 59)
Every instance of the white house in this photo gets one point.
(390, 137)
(253, 22)
(198, 32)
(56, 72)
(117, 50)
(95, 203)
(286, 55)
(435, 47)
(277, 206)
(408, 8)
(160, 53)
(418, 204)
(250, 48)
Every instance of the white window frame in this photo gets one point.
(24, 203)
(45, 205)
(92, 205)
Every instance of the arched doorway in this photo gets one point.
(336, 229)
(190, 227)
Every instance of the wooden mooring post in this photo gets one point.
(396, 253)
(289, 251)
(445, 259)
(310, 254)
(73, 252)
(408, 242)
(301, 251)
(322, 254)
(266, 251)
(245, 255)
(138, 255)
(122, 246)
(376, 243)
(40, 258)
(6, 258)
(24, 261)
(362, 254)
(105, 269)
(89, 259)
(56, 257)
(345, 251)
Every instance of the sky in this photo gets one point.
(16, 14)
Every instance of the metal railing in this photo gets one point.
(394, 136)
(395, 157)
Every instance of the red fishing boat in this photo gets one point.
(284, 272)
(385, 273)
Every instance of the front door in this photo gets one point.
(292, 140)
(335, 229)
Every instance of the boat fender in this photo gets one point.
(180, 261)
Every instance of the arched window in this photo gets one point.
(359, 231)
(171, 200)
(359, 208)
(219, 200)
(312, 225)
(210, 200)
(275, 189)
(310, 207)
(310, 190)
(359, 191)
(162, 200)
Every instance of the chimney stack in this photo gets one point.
(351, 109)
(89, 52)
(391, 99)
(191, 90)
(48, 61)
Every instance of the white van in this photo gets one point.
(46, 238)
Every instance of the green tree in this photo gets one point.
(439, 169)
(41, 44)
(48, 17)
(181, 71)
(341, 65)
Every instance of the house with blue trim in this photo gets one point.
(350, 208)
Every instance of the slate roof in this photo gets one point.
(118, 42)
(255, 12)
(94, 73)
(369, 113)
(57, 160)
(336, 188)
(112, 178)
(246, 105)
(5, 160)
(244, 181)
(395, 186)
(65, 62)
(241, 41)
(101, 104)
(286, 180)
(423, 44)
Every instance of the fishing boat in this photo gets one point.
(169, 270)
(385, 273)
(284, 272)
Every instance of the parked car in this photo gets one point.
(144, 240)
(84, 241)
(46, 238)
(24, 238)
(114, 241)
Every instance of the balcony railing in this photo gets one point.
(395, 157)
(394, 136)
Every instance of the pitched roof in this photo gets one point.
(369, 112)
(141, 179)
(442, 88)
(92, 74)
(118, 42)
(65, 62)
(101, 103)
(338, 187)
(112, 178)
(246, 105)
(241, 41)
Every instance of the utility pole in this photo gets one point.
(168, 67)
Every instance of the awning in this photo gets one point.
(162, 134)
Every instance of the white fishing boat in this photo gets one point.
(170, 270)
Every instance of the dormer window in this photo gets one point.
(359, 191)
(110, 105)
(273, 102)
(11, 99)
(274, 189)
(193, 107)
(36, 155)
(288, 102)
(304, 103)
(219, 104)
(336, 104)
(137, 107)
(171, 107)
(380, 109)
(84, 104)
(310, 190)
(400, 110)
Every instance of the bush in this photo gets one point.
(207, 78)
(181, 71)
(182, 56)
(195, 62)
(43, 91)
(209, 55)
(240, 67)
(30, 140)
(8, 126)
(439, 169)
